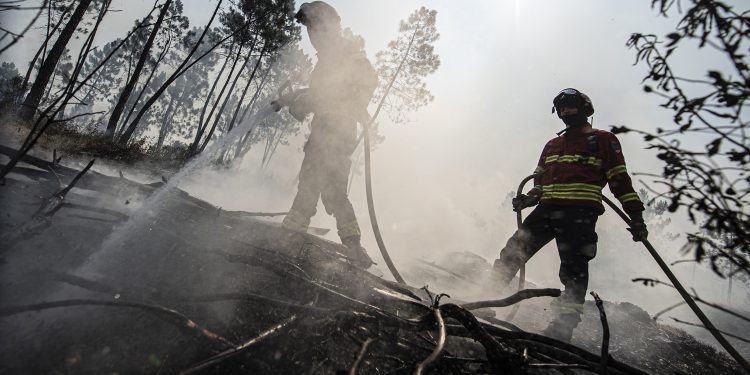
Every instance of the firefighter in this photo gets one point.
(574, 167)
(340, 88)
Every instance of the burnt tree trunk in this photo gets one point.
(229, 96)
(201, 126)
(177, 73)
(109, 134)
(31, 103)
(244, 90)
(145, 85)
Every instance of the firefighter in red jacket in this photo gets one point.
(574, 169)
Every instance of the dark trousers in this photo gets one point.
(324, 175)
(573, 229)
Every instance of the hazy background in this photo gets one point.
(441, 180)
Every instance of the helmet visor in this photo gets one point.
(568, 98)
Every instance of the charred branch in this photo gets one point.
(239, 348)
(499, 355)
(360, 356)
(515, 298)
(172, 316)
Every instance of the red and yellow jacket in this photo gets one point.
(576, 167)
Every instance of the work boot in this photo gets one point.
(561, 327)
(358, 255)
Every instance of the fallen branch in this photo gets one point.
(238, 349)
(54, 203)
(605, 333)
(528, 338)
(253, 297)
(355, 365)
(704, 327)
(519, 296)
(176, 318)
(285, 272)
(499, 355)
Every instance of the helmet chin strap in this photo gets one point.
(569, 126)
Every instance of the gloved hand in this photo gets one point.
(637, 227)
(523, 201)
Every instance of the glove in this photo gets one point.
(523, 201)
(638, 227)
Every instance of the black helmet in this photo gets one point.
(571, 97)
(318, 13)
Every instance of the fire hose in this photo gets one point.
(519, 223)
(371, 205)
(684, 294)
(664, 267)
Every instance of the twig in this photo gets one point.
(704, 327)
(54, 203)
(438, 348)
(176, 318)
(670, 308)
(695, 296)
(72, 183)
(515, 298)
(554, 346)
(719, 307)
(605, 333)
(355, 365)
(498, 355)
(240, 348)
(16, 37)
(253, 297)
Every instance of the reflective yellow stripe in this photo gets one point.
(572, 187)
(615, 171)
(573, 159)
(629, 197)
(573, 196)
(572, 191)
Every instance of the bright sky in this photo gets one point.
(439, 181)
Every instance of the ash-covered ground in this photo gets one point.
(191, 288)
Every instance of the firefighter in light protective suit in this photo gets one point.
(575, 168)
(340, 88)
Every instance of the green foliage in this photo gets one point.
(711, 181)
(409, 58)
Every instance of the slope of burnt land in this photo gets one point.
(92, 283)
